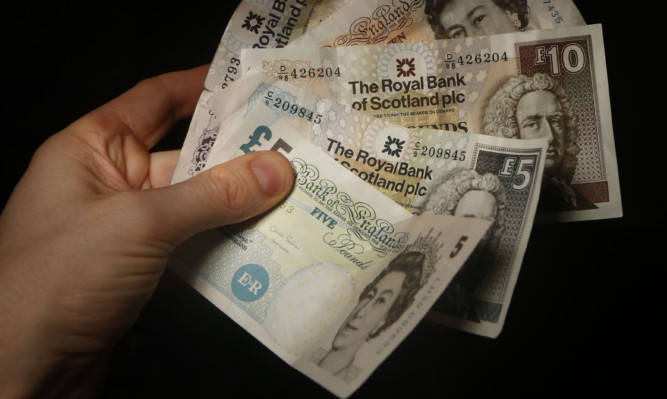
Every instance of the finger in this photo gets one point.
(162, 165)
(226, 194)
(149, 109)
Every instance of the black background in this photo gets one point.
(587, 310)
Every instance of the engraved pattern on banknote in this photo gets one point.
(362, 220)
(305, 173)
(489, 159)
(340, 122)
(384, 21)
(580, 86)
(479, 290)
(206, 141)
(366, 226)
(220, 269)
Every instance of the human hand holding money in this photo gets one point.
(294, 276)
(423, 170)
(469, 303)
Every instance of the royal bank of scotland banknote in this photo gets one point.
(263, 24)
(335, 276)
(425, 171)
(254, 24)
(399, 21)
(547, 83)
(269, 23)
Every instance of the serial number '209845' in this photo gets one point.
(439, 152)
(293, 109)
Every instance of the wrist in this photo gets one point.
(35, 360)
(26, 374)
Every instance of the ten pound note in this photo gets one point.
(549, 83)
(423, 170)
(334, 277)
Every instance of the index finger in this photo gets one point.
(149, 109)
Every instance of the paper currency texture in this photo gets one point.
(400, 21)
(425, 171)
(549, 83)
(337, 267)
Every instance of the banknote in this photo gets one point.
(545, 83)
(334, 277)
(254, 24)
(263, 24)
(385, 21)
(399, 21)
(425, 171)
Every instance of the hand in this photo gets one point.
(86, 234)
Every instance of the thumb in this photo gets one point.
(225, 194)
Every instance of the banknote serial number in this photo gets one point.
(474, 59)
(309, 73)
(231, 72)
(439, 152)
(291, 108)
(553, 12)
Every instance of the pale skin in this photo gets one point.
(467, 18)
(85, 236)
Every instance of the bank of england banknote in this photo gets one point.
(399, 21)
(544, 83)
(425, 171)
(334, 277)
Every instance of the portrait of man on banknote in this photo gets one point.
(450, 19)
(381, 304)
(467, 193)
(537, 106)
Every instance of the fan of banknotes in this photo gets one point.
(426, 136)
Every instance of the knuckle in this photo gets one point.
(230, 190)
